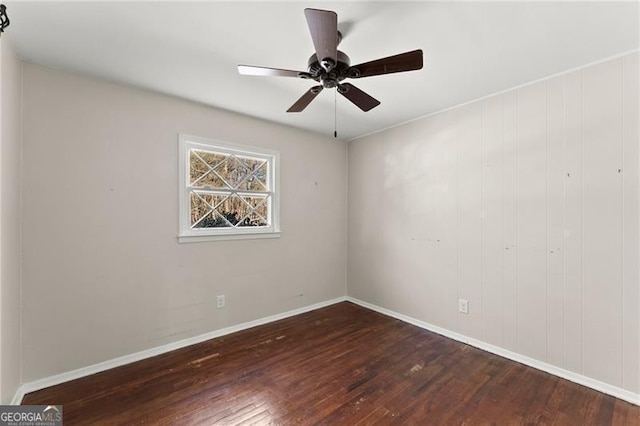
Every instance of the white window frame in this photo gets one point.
(186, 234)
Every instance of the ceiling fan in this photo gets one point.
(329, 66)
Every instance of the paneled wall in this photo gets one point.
(525, 204)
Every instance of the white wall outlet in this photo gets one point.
(221, 301)
(463, 306)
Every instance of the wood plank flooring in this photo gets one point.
(340, 365)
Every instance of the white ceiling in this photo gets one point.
(191, 50)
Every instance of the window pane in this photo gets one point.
(234, 209)
(258, 203)
(232, 171)
(225, 210)
(257, 215)
(199, 208)
(201, 164)
(211, 158)
(202, 210)
(257, 179)
(210, 180)
(212, 220)
(253, 219)
(197, 167)
(227, 189)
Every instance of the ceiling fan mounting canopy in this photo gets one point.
(330, 66)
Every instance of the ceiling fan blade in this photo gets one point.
(267, 72)
(408, 61)
(323, 25)
(362, 100)
(305, 99)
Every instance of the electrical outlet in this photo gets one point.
(463, 306)
(221, 301)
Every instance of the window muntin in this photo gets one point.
(226, 190)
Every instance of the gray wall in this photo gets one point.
(525, 204)
(103, 273)
(10, 223)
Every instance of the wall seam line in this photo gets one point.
(21, 275)
(582, 197)
(517, 248)
(622, 239)
(483, 214)
(547, 224)
(458, 218)
(564, 221)
(502, 269)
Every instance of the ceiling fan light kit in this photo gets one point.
(330, 66)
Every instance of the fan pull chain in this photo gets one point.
(335, 114)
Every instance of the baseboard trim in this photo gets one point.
(597, 385)
(148, 353)
(17, 398)
(57, 379)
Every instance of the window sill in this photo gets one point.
(227, 237)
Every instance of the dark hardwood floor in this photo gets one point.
(340, 365)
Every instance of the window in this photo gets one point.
(227, 191)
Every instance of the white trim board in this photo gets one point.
(46, 382)
(617, 392)
(597, 385)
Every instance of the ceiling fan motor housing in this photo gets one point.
(334, 75)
